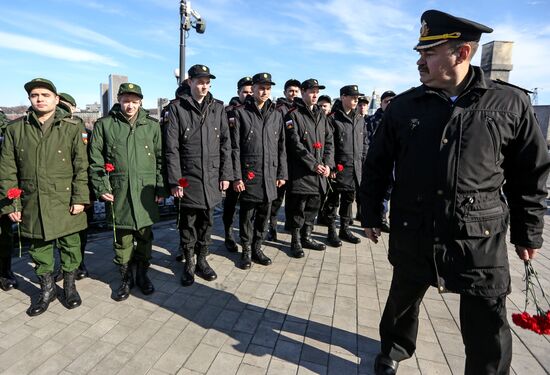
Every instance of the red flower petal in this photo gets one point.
(109, 167)
(339, 167)
(14, 193)
(250, 175)
(183, 183)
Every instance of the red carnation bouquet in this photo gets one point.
(14, 194)
(317, 145)
(540, 322)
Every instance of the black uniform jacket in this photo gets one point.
(198, 147)
(284, 105)
(462, 171)
(305, 128)
(258, 143)
(348, 147)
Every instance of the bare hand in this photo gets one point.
(15, 216)
(333, 175)
(280, 183)
(107, 197)
(320, 169)
(158, 199)
(327, 171)
(76, 209)
(177, 192)
(239, 186)
(372, 234)
(224, 185)
(526, 253)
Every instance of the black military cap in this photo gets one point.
(324, 98)
(40, 82)
(363, 99)
(387, 94)
(67, 98)
(262, 78)
(350, 90)
(311, 83)
(245, 81)
(292, 82)
(439, 27)
(197, 71)
(130, 88)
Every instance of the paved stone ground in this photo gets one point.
(315, 315)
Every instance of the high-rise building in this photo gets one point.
(108, 92)
(103, 98)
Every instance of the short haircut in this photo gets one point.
(454, 45)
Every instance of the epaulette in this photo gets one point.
(73, 120)
(218, 101)
(149, 117)
(514, 86)
(404, 92)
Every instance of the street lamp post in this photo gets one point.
(186, 13)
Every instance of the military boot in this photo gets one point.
(82, 271)
(47, 294)
(384, 365)
(295, 245)
(72, 298)
(126, 283)
(7, 278)
(345, 232)
(57, 275)
(246, 260)
(272, 231)
(203, 268)
(332, 238)
(230, 243)
(188, 276)
(308, 242)
(258, 255)
(142, 280)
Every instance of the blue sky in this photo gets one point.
(78, 43)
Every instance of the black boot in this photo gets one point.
(7, 278)
(385, 227)
(230, 243)
(258, 255)
(308, 242)
(295, 245)
(333, 239)
(272, 231)
(246, 260)
(322, 219)
(345, 233)
(383, 365)
(203, 268)
(142, 280)
(82, 271)
(72, 298)
(188, 275)
(47, 295)
(126, 283)
(57, 275)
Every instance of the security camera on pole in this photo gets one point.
(189, 18)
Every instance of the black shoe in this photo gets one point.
(346, 234)
(246, 258)
(308, 242)
(258, 255)
(272, 233)
(57, 275)
(126, 283)
(295, 245)
(203, 269)
(385, 227)
(7, 278)
(47, 295)
(332, 238)
(72, 298)
(230, 243)
(383, 365)
(82, 272)
(188, 275)
(142, 280)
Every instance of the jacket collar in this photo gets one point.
(477, 82)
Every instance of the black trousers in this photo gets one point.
(303, 209)
(484, 327)
(6, 244)
(229, 207)
(253, 220)
(196, 227)
(344, 199)
(276, 205)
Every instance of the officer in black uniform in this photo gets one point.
(310, 147)
(347, 128)
(284, 104)
(244, 88)
(469, 158)
(259, 165)
(362, 110)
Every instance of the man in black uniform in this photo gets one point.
(310, 147)
(259, 165)
(325, 102)
(197, 148)
(347, 128)
(292, 90)
(244, 88)
(459, 141)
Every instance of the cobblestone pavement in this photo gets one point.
(315, 315)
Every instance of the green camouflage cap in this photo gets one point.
(40, 82)
(67, 98)
(130, 88)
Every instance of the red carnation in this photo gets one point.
(14, 193)
(250, 175)
(317, 145)
(109, 167)
(339, 167)
(183, 183)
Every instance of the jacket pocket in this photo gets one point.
(496, 139)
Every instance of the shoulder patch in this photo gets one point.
(501, 82)
(218, 101)
(84, 137)
(289, 124)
